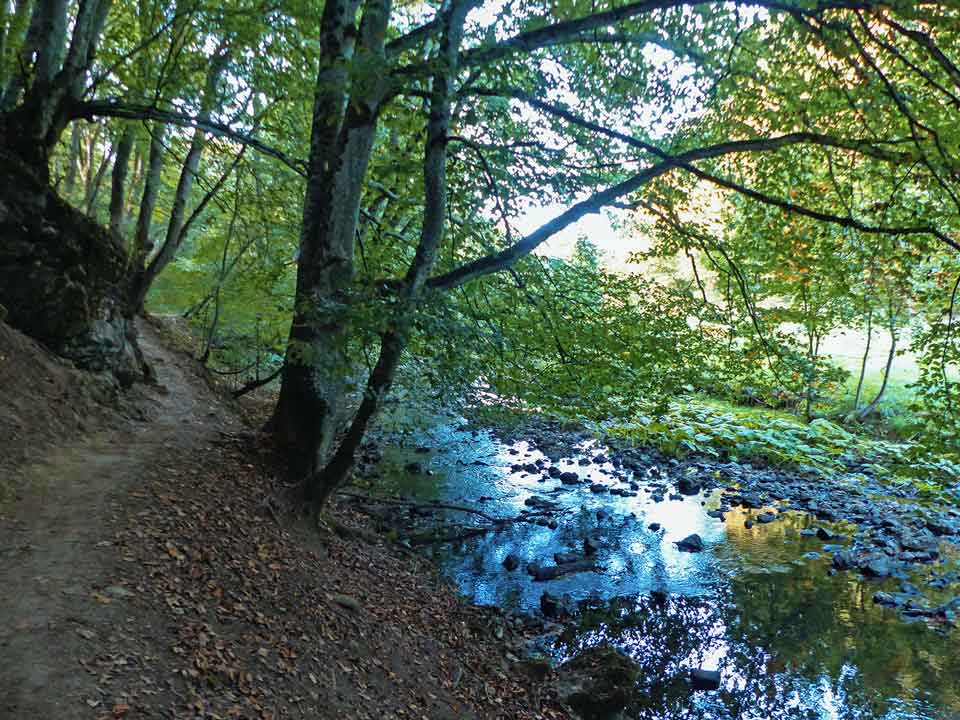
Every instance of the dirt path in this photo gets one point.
(56, 560)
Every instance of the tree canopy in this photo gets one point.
(337, 192)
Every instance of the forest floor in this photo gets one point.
(146, 576)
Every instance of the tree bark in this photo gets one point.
(177, 225)
(142, 242)
(393, 342)
(33, 127)
(342, 137)
(121, 163)
(863, 363)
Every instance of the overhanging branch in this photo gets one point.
(131, 111)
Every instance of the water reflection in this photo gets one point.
(790, 640)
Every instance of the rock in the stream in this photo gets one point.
(511, 562)
(554, 472)
(598, 683)
(569, 478)
(705, 679)
(689, 485)
(659, 596)
(876, 566)
(750, 501)
(565, 558)
(550, 605)
(654, 527)
(414, 468)
(766, 517)
(589, 547)
(826, 534)
(691, 543)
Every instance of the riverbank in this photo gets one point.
(833, 596)
(154, 579)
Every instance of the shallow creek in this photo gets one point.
(790, 639)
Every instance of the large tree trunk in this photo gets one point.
(393, 342)
(342, 135)
(32, 128)
(63, 277)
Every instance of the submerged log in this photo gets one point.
(552, 572)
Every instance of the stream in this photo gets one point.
(791, 637)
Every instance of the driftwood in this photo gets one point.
(423, 506)
(552, 572)
(459, 532)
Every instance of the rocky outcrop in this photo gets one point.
(63, 278)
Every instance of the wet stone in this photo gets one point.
(691, 543)
(705, 679)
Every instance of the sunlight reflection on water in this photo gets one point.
(790, 640)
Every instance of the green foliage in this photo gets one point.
(690, 426)
(785, 244)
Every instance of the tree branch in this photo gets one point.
(131, 111)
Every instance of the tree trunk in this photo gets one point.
(121, 164)
(12, 36)
(73, 162)
(863, 363)
(393, 342)
(93, 188)
(142, 243)
(865, 413)
(221, 278)
(176, 227)
(33, 128)
(342, 135)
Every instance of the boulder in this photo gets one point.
(689, 485)
(691, 543)
(63, 278)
